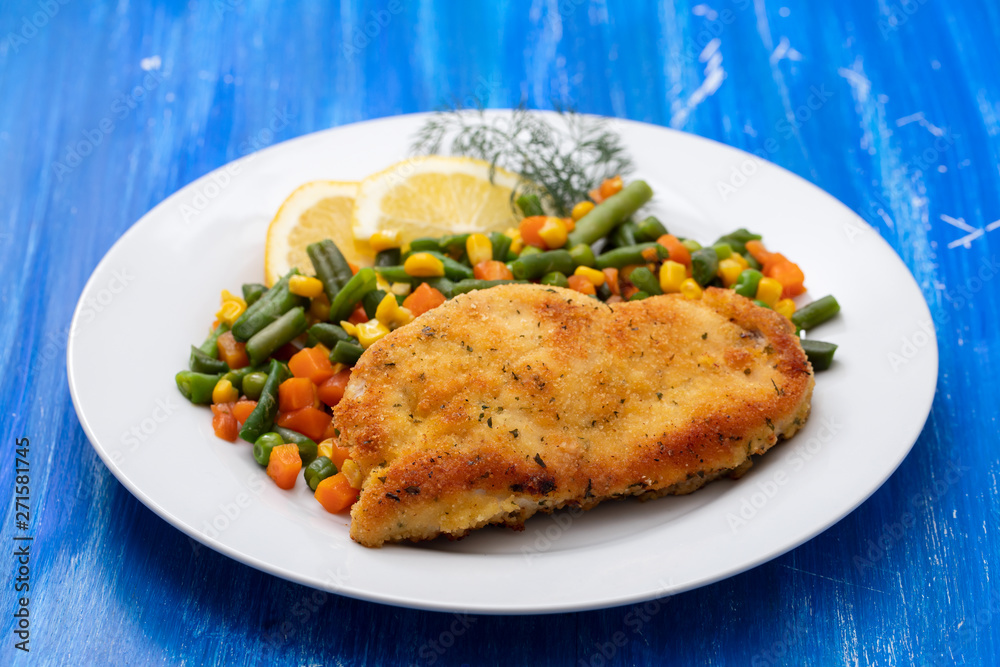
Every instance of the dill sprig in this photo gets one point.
(560, 163)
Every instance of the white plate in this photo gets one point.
(157, 288)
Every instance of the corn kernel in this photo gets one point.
(517, 244)
(595, 276)
(690, 289)
(224, 392)
(401, 289)
(384, 240)
(231, 311)
(423, 265)
(672, 274)
(769, 291)
(319, 308)
(582, 209)
(479, 248)
(325, 448)
(553, 232)
(337, 367)
(350, 328)
(570, 224)
(371, 331)
(353, 473)
(512, 233)
(381, 283)
(785, 308)
(322, 348)
(391, 314)
(729, 271)
(306, 286)
(741, 260)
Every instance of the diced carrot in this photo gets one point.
(224, 423)
(570, 224)
(243, 408)
(359, 316)
(628, 291)
(492, 270)
(611, 278)
(422, 299)
(611, 186)
(297, 393)
(330, 432)
(354, 267)
(284, 465)
(332, 390)
(627, 270)
(530, 227)
(313, 363)
(339, 455)
(789, 275)
(650, 255)
(231, 352)
(758, 251)
(678, 252)
(310, 422)
(595, 194)
(614, 298)
(581, 284)
(335, 493)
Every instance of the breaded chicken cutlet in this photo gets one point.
(525, 398)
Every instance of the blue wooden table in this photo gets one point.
(891, 106)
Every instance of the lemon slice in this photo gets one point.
(433, 196)
(315, 211)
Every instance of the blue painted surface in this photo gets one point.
(903, 127)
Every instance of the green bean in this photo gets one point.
(360, 284)
(394, 274)
(636, 254)
(262, 418)
(237, 375)
(441, 284)
(650, 229)
(453, 270)
(555, 278)
(471, 285)
(747, 282)
(704, 265)
(639, 296)
(276, 334)
(388, 257)
(762, 304)
(453, 242)
(816, 313)
(820, 354)
(425, 244)
(276, 302)
(210, 346)
(371, 301)
(196, 387)
(347, 353)
(537, 265)
(607, 215)
(319, 470)
(604, 292)
(625, 234)
(263, 446)
(737, 240)
(722, 250)
(530, 205)
(252, 292)
(751, 261)
(327, 334)
(583, 255)
(331, 267)
(307, 446)
(253, 384)
(501, 244)
(691, 245)
(529, 250)
(199, 362)
(644, 279)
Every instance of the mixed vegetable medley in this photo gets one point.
(278, 359)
